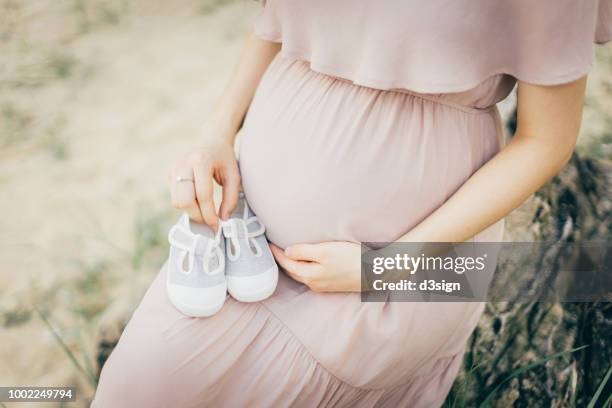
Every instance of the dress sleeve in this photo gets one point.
(603, 32)
(439, 46)
(554, 44)
(267, 25)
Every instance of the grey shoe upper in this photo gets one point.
(196, 255)
(246, 247)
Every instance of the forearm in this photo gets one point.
(236, 98)
(491, 193)
(549, 119)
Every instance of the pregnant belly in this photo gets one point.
(323, 159)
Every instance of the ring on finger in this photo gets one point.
(180, 179)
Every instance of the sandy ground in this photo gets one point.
(97, 98)
(92, 122)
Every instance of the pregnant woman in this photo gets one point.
(365, 121)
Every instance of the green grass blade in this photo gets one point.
(524, 369)
(65, 347)
(600, 389)
(87, 359)
(468, 378)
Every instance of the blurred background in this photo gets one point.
(97, 100)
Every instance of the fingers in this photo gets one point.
(300, 271)
(304, 252)
(230, 181)
(183, 194)
(285, 262)
(203, 180)
(213, 162)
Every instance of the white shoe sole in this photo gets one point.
(201, 310)
(253, 288)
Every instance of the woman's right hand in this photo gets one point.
(213, 159)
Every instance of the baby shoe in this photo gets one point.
(196, 268)
(251, 271)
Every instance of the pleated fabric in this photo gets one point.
(245, 356)
(323, 159)
(371, 117)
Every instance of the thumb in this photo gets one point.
(304, 252)
(230, 191)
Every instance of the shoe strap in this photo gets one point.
(237, 229)
(190, 245)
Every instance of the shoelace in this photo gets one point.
(213, 248)
(231, 228)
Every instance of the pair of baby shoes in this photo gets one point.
(204, 265)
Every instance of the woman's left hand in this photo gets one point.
(325, 267)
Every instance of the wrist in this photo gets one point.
(219, 130)
(226, 122)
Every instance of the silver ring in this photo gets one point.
(180, 179)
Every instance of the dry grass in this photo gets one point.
(96, 96)
(96, 99)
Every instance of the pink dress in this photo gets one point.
(371, 116)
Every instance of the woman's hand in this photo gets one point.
(325, 267)
(212, 160)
